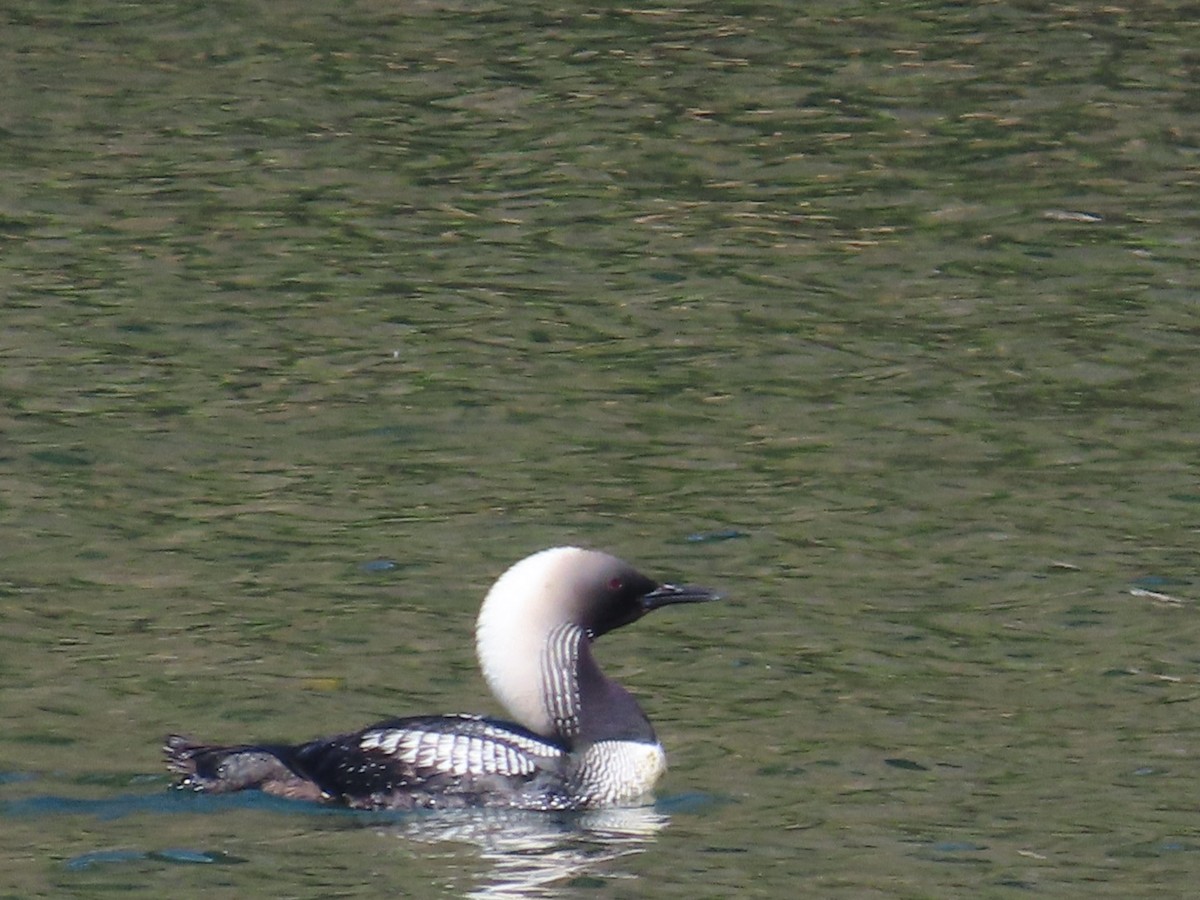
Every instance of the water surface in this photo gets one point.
(901, 302)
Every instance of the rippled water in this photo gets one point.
(882, 320)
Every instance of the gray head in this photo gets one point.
(544, 596)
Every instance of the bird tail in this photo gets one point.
(213, 769)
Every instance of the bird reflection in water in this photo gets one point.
(530, 854)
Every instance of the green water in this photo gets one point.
(904, 295)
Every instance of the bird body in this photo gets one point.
(580, 741)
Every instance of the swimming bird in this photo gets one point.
(580, 740)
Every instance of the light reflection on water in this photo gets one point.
(532, 854)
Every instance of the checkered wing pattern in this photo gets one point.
(459, 746)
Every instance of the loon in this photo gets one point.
(581, 740)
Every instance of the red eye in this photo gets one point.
(615, 584)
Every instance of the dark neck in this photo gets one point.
(607, 712)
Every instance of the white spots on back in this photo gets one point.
(461, 746)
